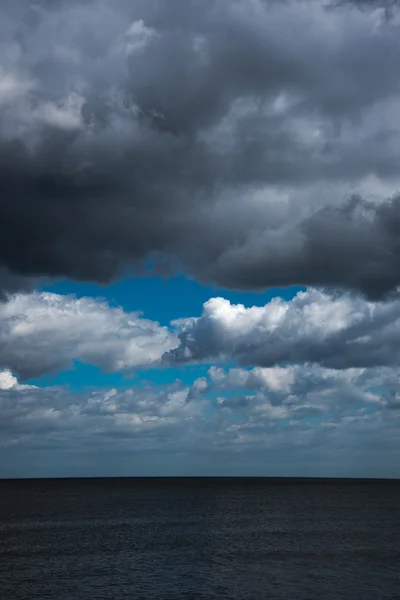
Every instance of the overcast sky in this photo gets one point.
(199, 237)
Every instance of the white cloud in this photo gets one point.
(44, 332)
(338, 331)
(67, 114)
(136, 38)
(7, 380)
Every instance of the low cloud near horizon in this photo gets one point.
(292, 420)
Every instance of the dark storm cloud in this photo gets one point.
(10, 282)
(355, 245)
(225, 139)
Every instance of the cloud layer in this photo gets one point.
(131, 133)
(304, 420)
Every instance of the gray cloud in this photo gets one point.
(303, 391)
(346, 417)
(337, 331)
(130, 132)
(10, 283)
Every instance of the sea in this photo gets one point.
(183, 538)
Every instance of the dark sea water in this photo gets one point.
(173, 539)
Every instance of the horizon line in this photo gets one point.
(277, 479)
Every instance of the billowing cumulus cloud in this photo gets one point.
(337, 331)
(44, 332)
(247, 143)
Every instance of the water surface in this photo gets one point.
(199, 538)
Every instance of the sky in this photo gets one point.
(199, 238)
